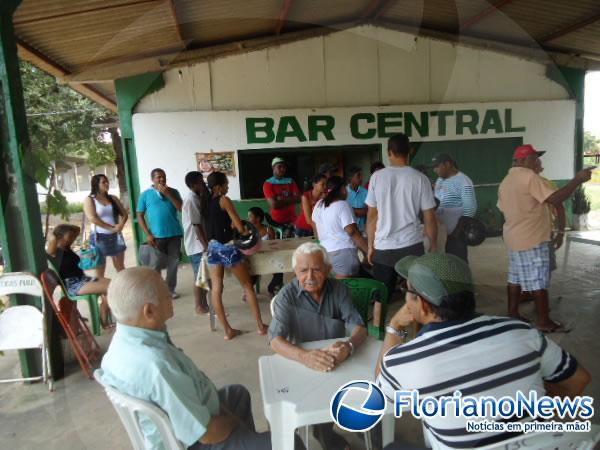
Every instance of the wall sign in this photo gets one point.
(216, 162)
(367, 125)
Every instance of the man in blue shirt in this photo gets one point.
(357, 195)
(141, 361)
(157, 215)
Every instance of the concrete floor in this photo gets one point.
(79, 416)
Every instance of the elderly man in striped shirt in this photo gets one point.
(455, 192)
(459, 350)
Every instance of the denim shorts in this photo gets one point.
(73, 284)
(108, 244)
(345, 262)
(226, 255)
(301, 232)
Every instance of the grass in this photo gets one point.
(74, 208)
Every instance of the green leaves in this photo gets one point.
(61, 123)
(57, 203)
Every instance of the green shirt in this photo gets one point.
(146, 365)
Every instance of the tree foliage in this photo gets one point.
(60, 123)
(591, 143)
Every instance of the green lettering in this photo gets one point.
(369, 133)
(320, 124)
(441, 115)
(262, 125)
(411, 121)
(508, 122)
(467, 118)
(492, 121)
(385, 121)
(295, 130)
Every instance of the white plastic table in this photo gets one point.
(583, 237)
(295, 396)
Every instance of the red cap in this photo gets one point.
(523, 151)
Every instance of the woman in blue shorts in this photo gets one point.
(220, 217)
(108, 217)
(66, 261)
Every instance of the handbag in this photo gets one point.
(89, 258)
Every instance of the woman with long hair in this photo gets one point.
(304, 226)
(108, 217)
(220, 217)
(66, 262)
(337, 230)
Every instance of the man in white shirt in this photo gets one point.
(397, 194)
(194, 239)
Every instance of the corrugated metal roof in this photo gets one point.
(87, 37)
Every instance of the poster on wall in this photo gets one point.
(216, 162)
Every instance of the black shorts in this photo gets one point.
(385, 260)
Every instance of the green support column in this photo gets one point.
(129, 92)
(20, 223)
(573, 80)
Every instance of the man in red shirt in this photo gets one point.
(282, 194)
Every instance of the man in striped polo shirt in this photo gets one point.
(455, 192)
(457, 349)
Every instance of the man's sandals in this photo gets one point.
(557, 328)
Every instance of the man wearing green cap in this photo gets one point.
(459, 350)
(282, 194)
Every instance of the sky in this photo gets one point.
(591, 121)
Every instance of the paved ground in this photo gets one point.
(78, 415)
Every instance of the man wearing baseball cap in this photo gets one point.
(282, 194)
(459, 350)
(523, 197)
(456, 194)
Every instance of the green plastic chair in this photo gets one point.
(278, 229)
(91, 299)
(363, 291)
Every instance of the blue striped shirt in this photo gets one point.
(483, 356)
(457, 192)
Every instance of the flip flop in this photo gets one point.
(522, 319)
(558, 328)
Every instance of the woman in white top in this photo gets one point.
(108, 217)
(337, 229)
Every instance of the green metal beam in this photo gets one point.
(20, 222)
(573, 80)
(129, 92)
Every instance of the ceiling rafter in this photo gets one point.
(82, 11)
(492, 9)
(177, 24)
(570, 28)
(40, 60)
(283, 15)
(376, 8)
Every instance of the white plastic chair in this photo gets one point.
(541, 441)
(23, 327)
(128, 408)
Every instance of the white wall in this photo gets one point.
(363, 66)
(170, 140)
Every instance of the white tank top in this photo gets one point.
(105, 214)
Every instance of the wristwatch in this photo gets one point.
(349, 342)
(403, 333)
